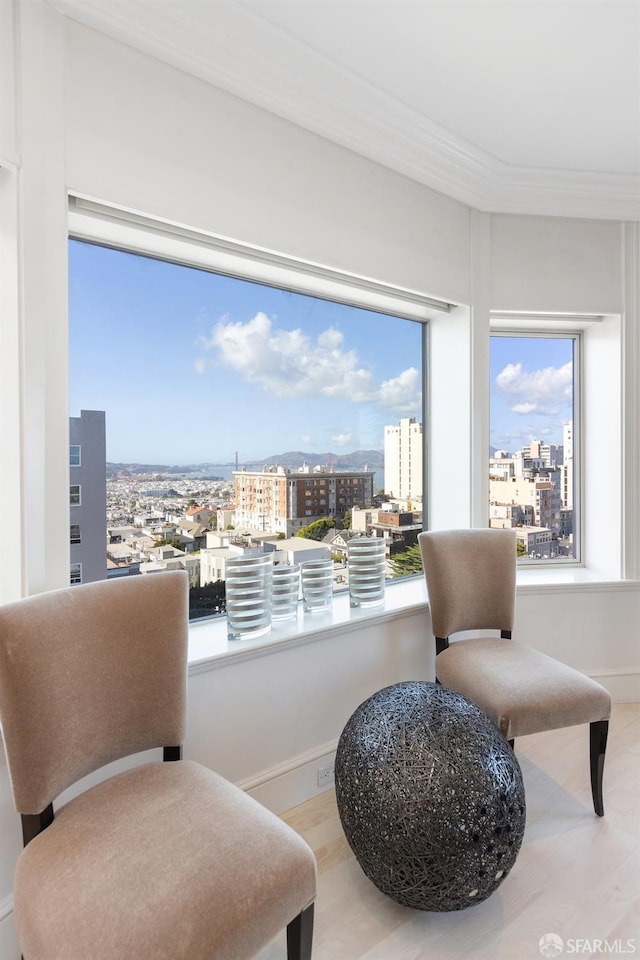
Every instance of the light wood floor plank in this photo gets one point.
(577, 875)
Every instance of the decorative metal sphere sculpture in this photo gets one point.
(430, 796)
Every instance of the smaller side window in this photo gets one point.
(75, 535)
(74, 495)
(532, 458)
(75, 573)
(74, 455)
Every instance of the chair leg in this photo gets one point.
(598, 731)
(300, 935)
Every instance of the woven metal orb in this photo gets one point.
(430, 796)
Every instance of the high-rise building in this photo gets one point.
(88, 496)
(279, 500)
(403, 460)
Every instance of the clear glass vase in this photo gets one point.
(317, 585)
(248, 592)
(367, 564)
(285, 592)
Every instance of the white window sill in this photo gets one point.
(210, 648)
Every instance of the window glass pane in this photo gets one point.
(74, 455)
(531, 467)
(74, 533)
(241, 416)
(74, 494)
(75, 573)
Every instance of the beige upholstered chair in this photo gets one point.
(166, 860)
(471, 579)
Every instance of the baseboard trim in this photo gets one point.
(623, 683)
(287, 784)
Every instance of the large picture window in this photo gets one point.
(242, 416)
(533, 458)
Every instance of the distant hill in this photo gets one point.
(159, 469)
(357, 460)
(294, 459)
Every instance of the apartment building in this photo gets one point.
(403, 460)
(538, 498)
(279, 500)
(87, 497)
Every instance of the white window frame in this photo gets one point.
(78, 447)
(75, 578)
(602, 528)
(72, 502)
(93, 222)
(455, 475)
(73, 526)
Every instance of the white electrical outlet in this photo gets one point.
(326, 776)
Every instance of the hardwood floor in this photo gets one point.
(577, 875)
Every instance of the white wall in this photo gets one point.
(551, 264)
(102, 121)
(143, 135)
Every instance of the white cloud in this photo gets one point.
(546, 391)
(290, 363)
(343, 438)
(402, 393)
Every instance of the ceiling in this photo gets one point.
(529, 106)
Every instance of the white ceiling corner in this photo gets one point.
(514, 106)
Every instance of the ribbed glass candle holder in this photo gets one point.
(367, 569)
(248, 592)
(285, 592)
(316, 577)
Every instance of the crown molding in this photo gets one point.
(258, 62)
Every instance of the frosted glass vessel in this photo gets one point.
(367, 569)
(285, 592)
(317, 585)
(248, 591)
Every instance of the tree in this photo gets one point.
(521, 550)
(208, 600)
(407, 563)
(347, 519)
(169, 542)
(318, 529)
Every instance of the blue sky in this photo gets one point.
(192, 367)
(531, 389)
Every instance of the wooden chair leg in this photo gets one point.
(598, 731)
(300, 935)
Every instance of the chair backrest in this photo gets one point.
(471, 579)
(90, 674)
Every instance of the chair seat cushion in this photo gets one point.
(167, 860)
(523, 691)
